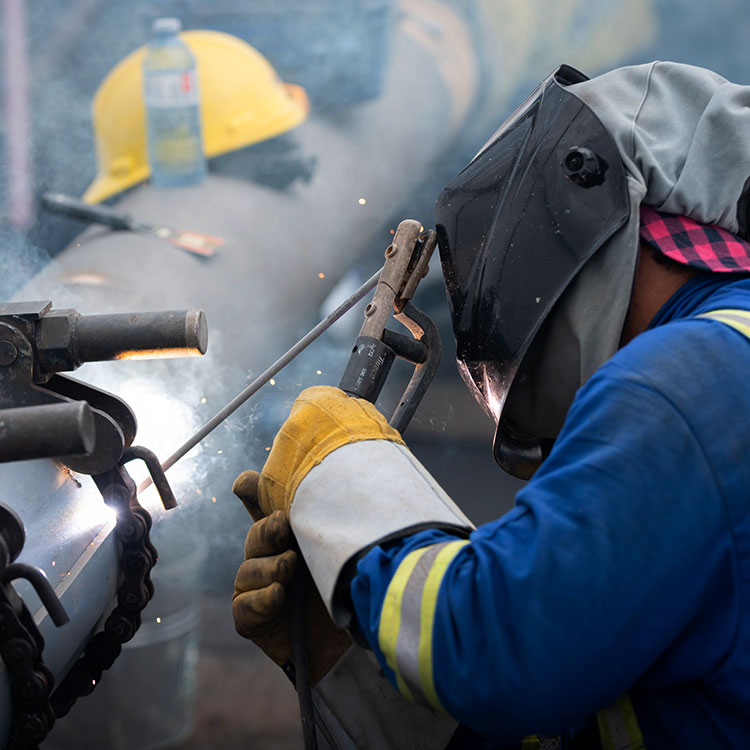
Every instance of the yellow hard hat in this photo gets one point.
(242, 102)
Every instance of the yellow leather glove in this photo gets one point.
(322, 419)
(259, 604)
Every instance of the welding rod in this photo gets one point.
(266, 375)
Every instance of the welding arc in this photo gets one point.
(266, 375)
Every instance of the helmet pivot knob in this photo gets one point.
(583, 166)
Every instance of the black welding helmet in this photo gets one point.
(515, 228)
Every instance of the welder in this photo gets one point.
(596, 258)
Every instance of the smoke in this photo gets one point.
(377, 131)
(21, 261)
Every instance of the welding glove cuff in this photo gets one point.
(346, 481)
(360, 710)
(360, 495)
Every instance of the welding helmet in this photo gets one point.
(539, 233)
(242, 102)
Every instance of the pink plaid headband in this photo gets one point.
(691, 243)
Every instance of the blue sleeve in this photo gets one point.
(602, 572)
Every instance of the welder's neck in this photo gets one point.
(655, 283)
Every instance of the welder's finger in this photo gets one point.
(259, 572)
(246, 489)
(269, 536)
(254, 612)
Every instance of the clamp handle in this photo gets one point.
(158, 477)
(377, 347)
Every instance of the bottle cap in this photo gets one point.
(166, 26)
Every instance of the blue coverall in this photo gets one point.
(624, 566)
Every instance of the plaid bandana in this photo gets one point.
(691, 243)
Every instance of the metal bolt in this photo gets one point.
(16, 650)
(370, 309)
(126, 530)
(121, 628)
(32, 689)
(8, 353)
(32, 727)
(132, 599)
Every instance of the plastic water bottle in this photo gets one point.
(175, 145)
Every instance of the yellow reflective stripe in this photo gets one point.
(532, 742)
(737, 319)
(427, 618)
(407, 619)
(618, 727)
(390, 616)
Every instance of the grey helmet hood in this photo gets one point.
(683, 133)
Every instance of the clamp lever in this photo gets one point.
(406, 263)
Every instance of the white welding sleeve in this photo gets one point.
(361, 710)
(359, 495)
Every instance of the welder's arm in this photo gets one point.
(346, 481)
(608, 565)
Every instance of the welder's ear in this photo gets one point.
(246, 489)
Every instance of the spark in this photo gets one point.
(93, 682)
(321, 275)
(203, 400)
(200, 492)
(392, 231)
(158, 619)
(213, 499)
(319, 372)
(220, 451)
(78, 244)
(53, 563)
(268, 447)
(272, 381)
(421, 228)
(362, 201)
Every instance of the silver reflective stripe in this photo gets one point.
(737, 319)
(407, 619)
(407, 646)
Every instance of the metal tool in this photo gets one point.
(37, 343)
(406, 263)
(204, 245)
(266, 375)
(377, 347)
(46, 414)
(407, 260)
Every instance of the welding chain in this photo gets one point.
(30, 679)
(134, 592)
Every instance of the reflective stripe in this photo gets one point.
(390, 615)
(407, 619)
(618, 727)
(737, 319)
(538, 742)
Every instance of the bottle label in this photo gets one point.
(171, 89)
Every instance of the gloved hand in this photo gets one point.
(322, 419)
(260, 604)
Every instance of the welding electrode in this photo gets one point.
(265, 376)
